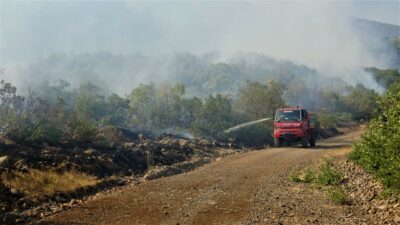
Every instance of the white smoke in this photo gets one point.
(317, 34)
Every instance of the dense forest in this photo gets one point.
(209, 98)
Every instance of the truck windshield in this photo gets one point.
(287, 115)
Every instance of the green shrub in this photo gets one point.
(379, 150)
(389, 192)
(327, 120)
(83, 131)
(327, 175)
(337, 195)
(27, 131)
(107, 136)
(46, 131)
(294, 176)
(309, 176)
(20, 131)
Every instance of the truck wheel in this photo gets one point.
(304, 142)
(278, 142)
(312, 142)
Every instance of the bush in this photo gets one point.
(337, 195)
(46, 131)
(83, 131)
(107, 136)
(27, 132)
(327, 175)
(327, 121)
(309, 176)
(379, 150)
(294, 176)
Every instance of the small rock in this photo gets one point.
(382, 207)
(3, 160)
(212, 203)
(60, 199)
(129, 145)
(90, 151)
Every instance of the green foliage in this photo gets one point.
(385, 77)
(327, 175)
(83, 131)
(389, 192)
(394, 88)
(362, 103)
(337, 195)
(58, 113)
(142, 101)
(294, 176)
(327, 120)
(333, 120)
(118, 109)
(258, 101)
(379, 150)
(309, 176)
(106, 137)
(192, 108)
(45, 131)
(214, 117)
(89, 103)
(169, 108)
(359, 104)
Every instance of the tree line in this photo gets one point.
(57, 113)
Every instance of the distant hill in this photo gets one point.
(378, 29)
(380, 39)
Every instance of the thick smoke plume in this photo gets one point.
(122, 44)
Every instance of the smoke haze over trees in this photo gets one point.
(198, 66)
(138, 41)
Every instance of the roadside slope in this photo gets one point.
(249, 188)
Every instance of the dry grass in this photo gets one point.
(36, 183)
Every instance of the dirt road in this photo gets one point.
(248, 188)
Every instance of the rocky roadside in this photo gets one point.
(363, 191)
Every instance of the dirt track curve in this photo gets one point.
(248, 188)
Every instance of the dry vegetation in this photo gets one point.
(36, 183)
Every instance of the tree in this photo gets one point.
(385, 77)
(11, 106)
(191, 110)
(90, 104)
(215, 116)
(258, 101)
(169, 109)
(362, 102)
(394, 88)
(141, 107)
(117, 110)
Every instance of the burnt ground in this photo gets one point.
(123, 162)
(243, 188)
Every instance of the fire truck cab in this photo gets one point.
(294, 125)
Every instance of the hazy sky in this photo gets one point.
(35, 29)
